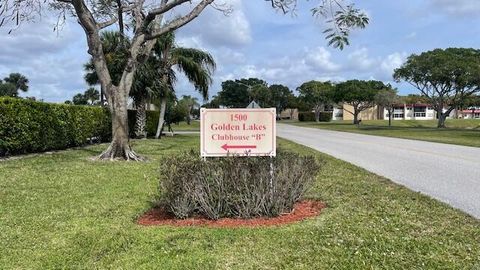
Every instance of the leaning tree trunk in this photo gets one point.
(140, 119)
(441, 120)
(119, 148)
(443, 117)
(161, 117)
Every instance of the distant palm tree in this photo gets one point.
(13, 83)
(197, 65)
(190, 103)
(92, 95)
(145, 88)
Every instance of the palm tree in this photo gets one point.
(190, 103)
(146, 86)
(197, 65)
(92, 95)
(15, 82)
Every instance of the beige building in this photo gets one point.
(291, 114)
(400, 112)
(374, 113)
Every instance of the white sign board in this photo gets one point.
(242, 132)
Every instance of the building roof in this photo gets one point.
(253, 105)
(470, 111)
(414, 105)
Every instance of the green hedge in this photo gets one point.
(310, 117)
(152, 122)
(325, 117)
(27, 126)
(306, 116)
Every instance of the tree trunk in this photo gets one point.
(390, 118)
(443, 116)
(355, 117)
(119, 147)
(317, 114)
(188, 116)
(140, 119)
(102, 97)
(161, 117)
(441, 120)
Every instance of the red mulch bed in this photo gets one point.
(301, 211)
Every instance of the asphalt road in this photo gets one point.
(449, 173)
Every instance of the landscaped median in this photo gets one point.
(63, 210)
(458, 131)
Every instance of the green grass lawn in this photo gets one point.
(64, 211)
(459, 131)
(183, 126)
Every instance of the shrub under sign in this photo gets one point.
(239, 132)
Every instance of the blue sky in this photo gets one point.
(257, 41)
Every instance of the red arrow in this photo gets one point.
(226, 147)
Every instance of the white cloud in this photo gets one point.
(232, 56)
(318, 64)
(360, 60)
(52, 61)
(457, 7)
(189, 42)
(214, 28)
(290, 70)
(320, 58)
(393, 61)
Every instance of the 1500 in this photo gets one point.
(238, 117)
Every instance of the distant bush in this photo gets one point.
(176, 115)
(235, 186)
(310, 117)
(325, 117)
(152, 122)
(28, 126)
(306, 116)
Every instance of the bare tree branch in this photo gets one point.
(120, 17)
(87, 21)
(225, 8)
(177, 23)
(107, 23)
(162, 10)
